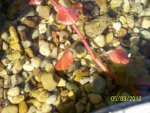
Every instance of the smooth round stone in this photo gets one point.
(48, 81)
(5, 36)
(123, 20)
(14, 91)
(135, 39)
(94, 98)
(115, 3)
(117, 26)
(49, 67)
(42, 28)
(146, 22)
(44, 48)
(51, 99)
(99, 41)
(136, 30)
(5, 46)
(36, 62)
(27, 66)
(130, 21)
(122, 32)
(46, 108)
(146, 34)
(10, 109)
(109, 38)
(23, 108)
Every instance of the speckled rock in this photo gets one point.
(10, 109)
(97, 26)
(48, 81)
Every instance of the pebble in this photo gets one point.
(71, 95)
(36, 62)
(130, 21)
(49, 68)
(122, 32)
(94, 98)
(51, 99)
(146, 34)
(23, 108)
(48, 81)
(84, 80)
(136, 30)
(42, 28)
(123, 20)
(33, 109)
(115, 3)
(40, 94)
(64, 93)
(46, 108)
(16, 99)
(10, 109)
(137, 8)
(5, 46)
(14, 55)
(80, 107)
(146, 22)
(135, 39)
(115, 43)
(126, 6)
(28, 66)
(117, 26)
(14, 91)
(43, 11)
(35, 34)
(145, 12)
(72, 87)
(61, 83)
(5, 36)
(44, 48)
(27, 22)
(80, 52)
(98, 83)
(109, 38)
(98, 25)
(98, 41)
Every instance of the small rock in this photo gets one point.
(136, 30)
(48, 81)
(33, 109)
(84, 80)
(80, 107)
(54, 53)
(44, 48)
(28, 22)
(72, 87)
(117, 26)
(123, 20)
(46, 108)
(23, 108)
(61, 83)
(10, 109)
(115, 43)
(51, 99)
(49, 68)
(42, 28)
(80, 51)
(115, 3)
(35, 34)
(98, 41)
(98, 25)
(146, 34)
(122, 32)
(27, 66)
(109, 38)
(98, 83)
(126, 6)
(146, 22)
(130, 21)
(36, 62)
(14, 55)
(137, 8)
(135, 39)
(40, 94)
(5, 36)
(16, 99)
(94, 98)
(145, 12)
(43, 11)
(71, 95)
(4, 46)
(64, 93)
(14, 91)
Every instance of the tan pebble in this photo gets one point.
(122, 32)
(28, 22)
(115, 43)
(109, 37)
(62, 83)
(23, 108)
(29, 52)
(64, 93)
(71, 95)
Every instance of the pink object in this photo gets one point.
(118, 56)
(35, 2)
(65, 61)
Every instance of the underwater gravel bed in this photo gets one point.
(32, 42)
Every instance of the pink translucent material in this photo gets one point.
(118, 56)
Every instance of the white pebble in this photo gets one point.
(42, 28)
(117, 26)
(28, 67)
